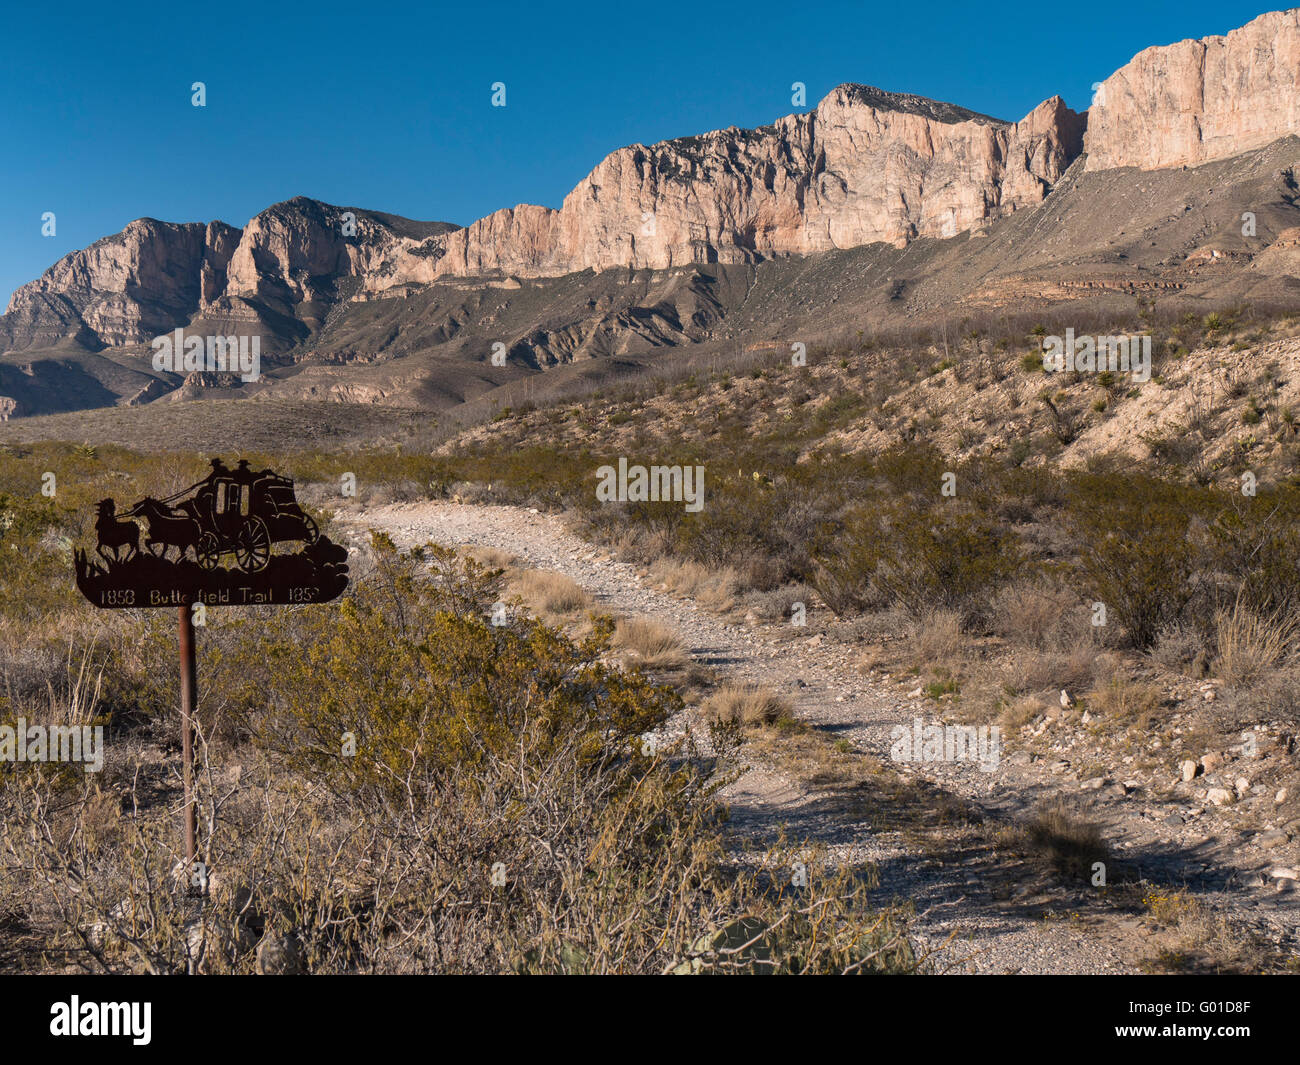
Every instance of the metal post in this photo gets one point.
(188, 687)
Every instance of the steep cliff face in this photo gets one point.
(865, 166)
(155, 276)
(219, 244)
(134, 284)
(298, 251)
(1196, 101)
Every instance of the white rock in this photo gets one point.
(1184, 104)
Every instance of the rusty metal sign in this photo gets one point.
(212, 543)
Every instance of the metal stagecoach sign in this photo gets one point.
(213, 543)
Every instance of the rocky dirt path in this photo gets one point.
(979, 909)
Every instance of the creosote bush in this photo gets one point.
(395, 784)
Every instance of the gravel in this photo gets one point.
(964, 913)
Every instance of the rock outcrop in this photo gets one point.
(115, 291)
(1197, 101)
(290, 262)
(865, 166)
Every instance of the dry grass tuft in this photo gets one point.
(1057, 837)
(1251, 644)
(550, 594)
(1016, 715)
(491, 557)
(937, 637)
(655, 646)
(1191, 938)
(1126, 701)
(1036, 671)
(713, 589)
(750, 705)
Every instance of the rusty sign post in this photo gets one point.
(229, 523)
(189, 681)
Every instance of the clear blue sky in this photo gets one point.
(388, 106)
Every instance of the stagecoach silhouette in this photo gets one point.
(236, 512)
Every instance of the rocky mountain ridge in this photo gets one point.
(865, 167)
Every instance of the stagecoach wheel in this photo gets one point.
(312, 530)
(253, 548)
(208, 551)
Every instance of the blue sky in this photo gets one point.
(388, 106)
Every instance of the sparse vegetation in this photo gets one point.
(551, 594)
(1063, 841)
(749, 705)
(650, 644)
(498, 780)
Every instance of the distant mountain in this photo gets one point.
(698, 232)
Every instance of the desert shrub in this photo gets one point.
(35, 558)
(414, 789)
(1278, 698)
(1255, 542)
(1135, 549)
(924, 559)
(911, 471)
(1182, 650)
(778, 604)
(1040, 615)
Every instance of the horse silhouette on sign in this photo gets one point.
(114, 535)
(167, 528)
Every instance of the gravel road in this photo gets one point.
(979, 911)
